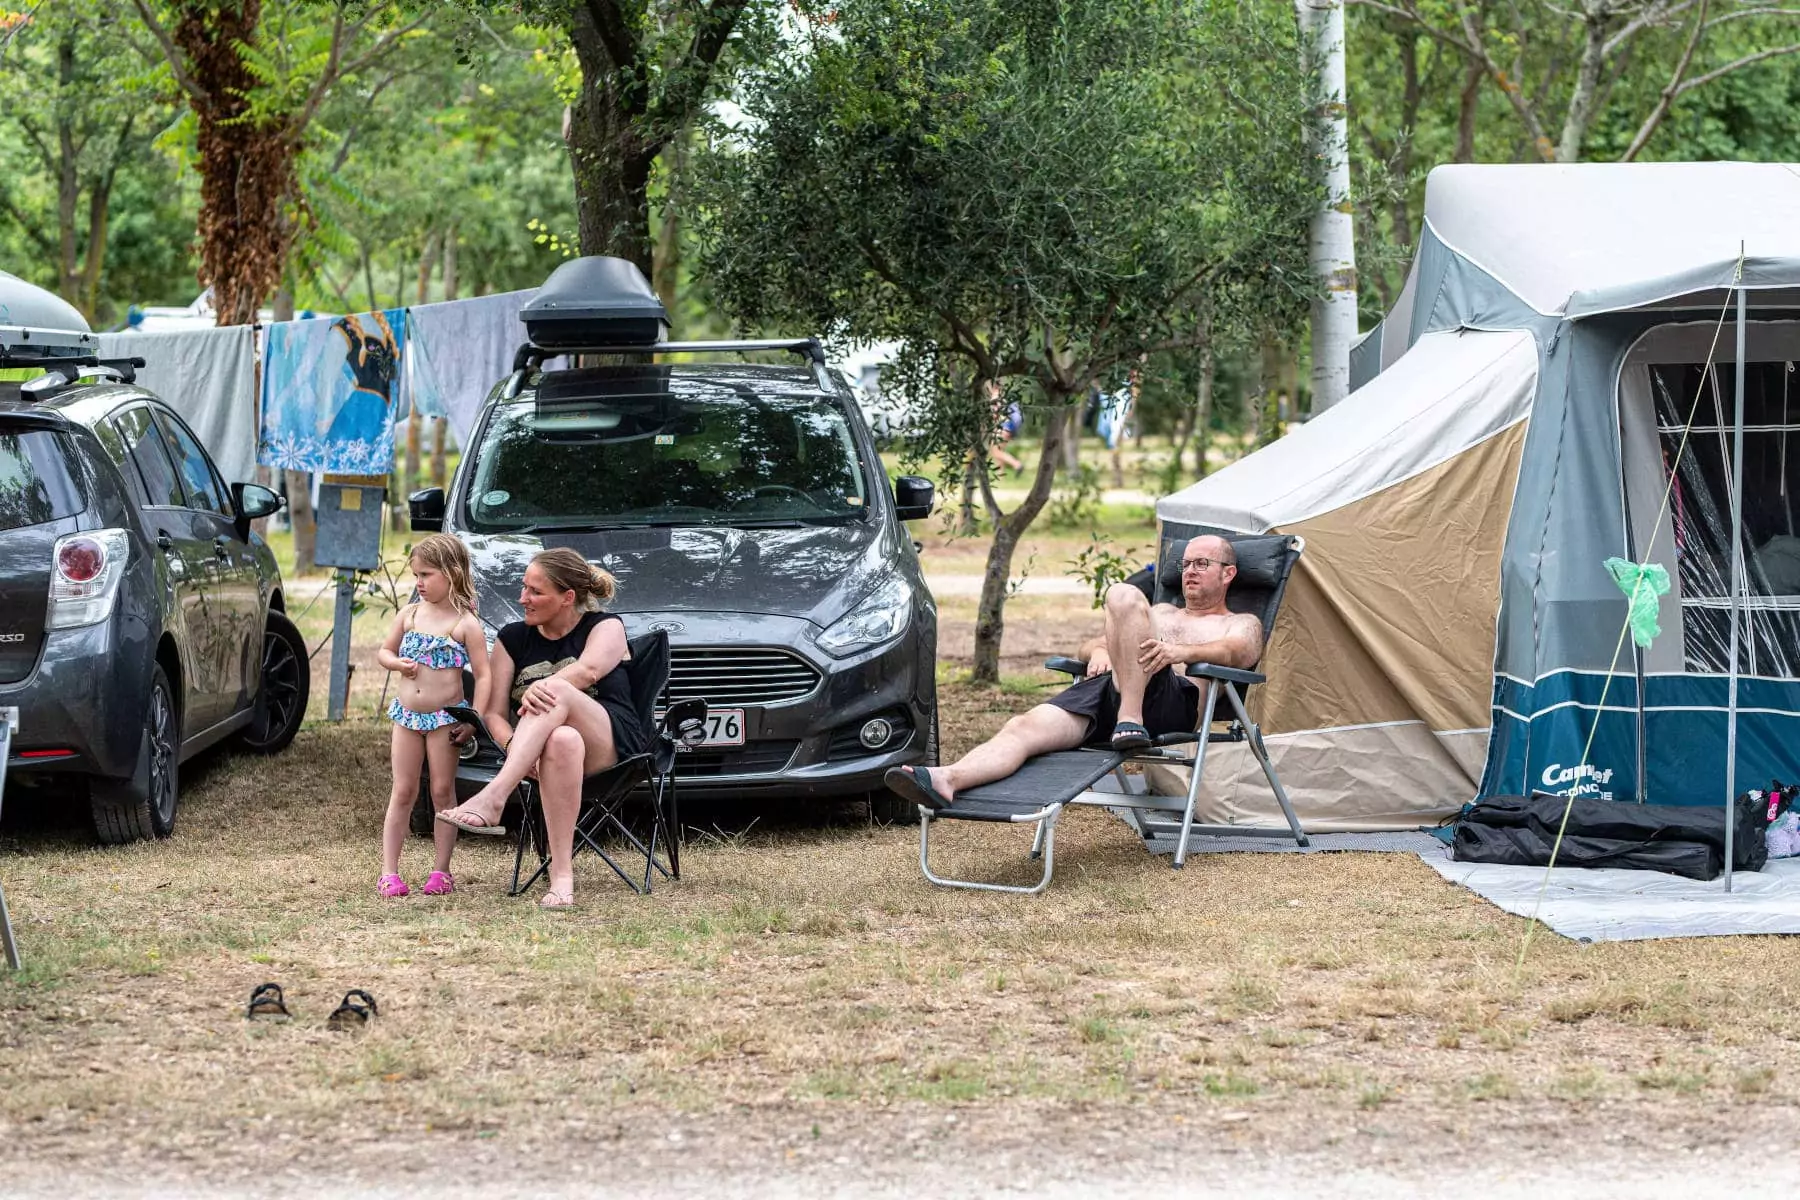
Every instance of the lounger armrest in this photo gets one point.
(1066, 665)
(1223, 674)
(1174, 739)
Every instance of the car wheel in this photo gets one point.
(283, 691)
(888, 809)
(143, 806)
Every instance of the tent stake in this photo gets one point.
(1737, 582)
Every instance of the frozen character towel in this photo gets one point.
(328, 393)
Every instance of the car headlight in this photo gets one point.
(879, 618)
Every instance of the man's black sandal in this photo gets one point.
(356, 1010)
(1129, 737)
(914, 783)
(266, 1004)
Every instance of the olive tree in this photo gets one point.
(1034, 193)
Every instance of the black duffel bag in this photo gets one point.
(1612, 826)
(1529, 846)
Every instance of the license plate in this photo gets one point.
(724, 727)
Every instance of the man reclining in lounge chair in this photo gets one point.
(1134, 690)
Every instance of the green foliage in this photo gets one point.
(1026, 189)
(1100, 566)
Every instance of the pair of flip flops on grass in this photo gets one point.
(355, 1011)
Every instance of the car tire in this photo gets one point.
(143, 806)
(885, 808)
(282, 692)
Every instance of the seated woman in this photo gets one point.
(559, 703)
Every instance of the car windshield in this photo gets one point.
(676, 453)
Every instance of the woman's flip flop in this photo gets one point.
(266, 1004)
(914, 783)
(556, 902)
(355, 1011)
(449, 816)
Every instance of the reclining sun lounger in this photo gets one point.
(1038, 792)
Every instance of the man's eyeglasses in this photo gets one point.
(1200, 564)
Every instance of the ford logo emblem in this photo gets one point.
(667, 626)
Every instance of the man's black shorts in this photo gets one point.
(1171, 705)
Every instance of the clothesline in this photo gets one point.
(332, 388)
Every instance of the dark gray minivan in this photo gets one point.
(741, 507)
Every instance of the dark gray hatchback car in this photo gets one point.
(141, 619)
(743, 509)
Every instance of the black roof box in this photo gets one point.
(593, 302)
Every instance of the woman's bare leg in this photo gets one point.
(559, 783)
(407, 750)
(573, 708)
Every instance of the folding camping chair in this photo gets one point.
(1038, 792)
(605, 794)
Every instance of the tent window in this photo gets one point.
(1700, 505)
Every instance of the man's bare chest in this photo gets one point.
(1177, 625)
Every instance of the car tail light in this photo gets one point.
(85, 578)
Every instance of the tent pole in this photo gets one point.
(1737, 584)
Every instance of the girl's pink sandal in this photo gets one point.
(392, 887)
(440, 884)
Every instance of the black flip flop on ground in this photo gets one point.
(266, 1004)
(914, 783)
(1129, 737)
(356, 1010)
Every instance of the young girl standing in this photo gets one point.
(430, 643)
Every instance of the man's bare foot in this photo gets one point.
(924, 786)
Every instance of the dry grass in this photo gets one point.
(808, 969)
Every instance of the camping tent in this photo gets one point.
(1566, 336)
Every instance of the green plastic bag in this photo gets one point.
(1644, 585)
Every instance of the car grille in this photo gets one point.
(727, 678)
(757, 758)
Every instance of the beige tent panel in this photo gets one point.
(1389, 615)
(1356, 780)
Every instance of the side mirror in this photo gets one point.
(253, 502)
(426, 507)
(912, 496)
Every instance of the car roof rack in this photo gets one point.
(529, 356)
(62, 370)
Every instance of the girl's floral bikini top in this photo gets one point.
(435, 650)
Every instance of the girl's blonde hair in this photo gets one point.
(569, 572)
(449, 557)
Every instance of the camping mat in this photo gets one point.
(1611, 905)
(1411, 840)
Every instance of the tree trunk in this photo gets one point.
(966, 524)
(300, 516)
(439, 475)
(68, 181)
(247, 167)
(450, 279)
(1584, 101)
(1203, 395)
(990, 613)
(1332, 245)
(1268, 399)
(1467, 106)
(610, 161)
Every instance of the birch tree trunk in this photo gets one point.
(1333, 239)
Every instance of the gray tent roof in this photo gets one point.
(1571, 240)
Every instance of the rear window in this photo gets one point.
(37, 479)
